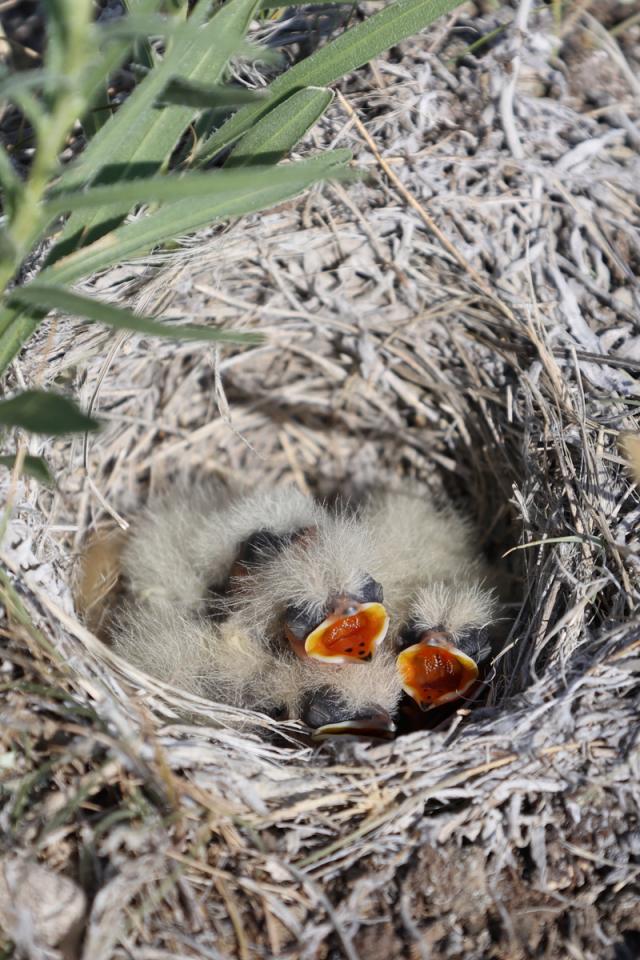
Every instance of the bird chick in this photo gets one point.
(264, 600)
(275, 553)
(312, 594)
(230, 664)
(314, 588)
(183, 546)
(436, 595)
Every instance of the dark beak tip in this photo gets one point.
(375, 727)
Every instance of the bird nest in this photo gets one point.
(464, 317)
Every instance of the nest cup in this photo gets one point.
(510, 831)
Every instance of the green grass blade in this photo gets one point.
(250, 193)
(67, 23)
(12, 84)
(115, 50)
(143, 53)
(57, 298)
(139, 136)
(277, 4)
(171, 189)
(138, 132)
(274, 135)
(241, 191)
(350, 50)
(136, 26)
(118, 37)
(9, 180)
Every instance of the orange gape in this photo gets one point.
(352, 639)
(434, 675)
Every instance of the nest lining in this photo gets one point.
(206, 830)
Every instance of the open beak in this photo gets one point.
(435, 672)
(350, 634)
(375, 725)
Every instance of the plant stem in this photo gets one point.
(73, 23)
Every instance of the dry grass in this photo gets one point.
(500, 366)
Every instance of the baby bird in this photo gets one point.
(229, 663)
(435, 593)
(182, 547)
(314, 588)
(294, 569)
(262, 599)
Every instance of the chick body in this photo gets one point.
(228, 663)
(185, 543)
(182, 545)
(433, 575)
(336, 558)
(436, 595)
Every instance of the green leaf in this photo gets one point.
(28, 80)
(118, 37)
(165, 189)
(35, 467)
(116, 49)
(16, 326)
(274, 135)
(138, 26)
(68, 24)
(239, 192)
(352, 49)
(32, 108)
(253, 52)
(205, 97)
(271, 4)
(139, 135)
(7, 249)
(43, 412)
(57, 298)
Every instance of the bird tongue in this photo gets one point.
(350, 639)
(434, 674)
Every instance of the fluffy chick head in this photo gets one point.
(314, 588)
(444, 641)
